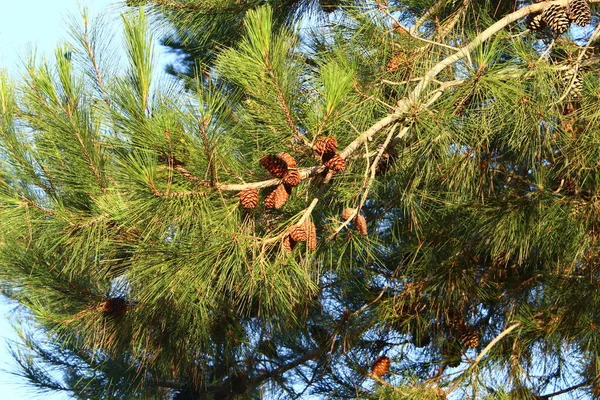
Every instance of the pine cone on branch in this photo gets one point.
(278, 197)
(292, 177)
(114, 307)
(579, 12)
(249, 197)
(395, 62)
(468, 336)
(298, 233)
(535, 23)
(288, 244)
(335, 163)
(289, 161)
(276, 166)
(557, 18)
(311, 235)
(573, 81)
(326, 145)
(359, 222)
(381, 366)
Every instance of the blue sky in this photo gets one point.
(26, 25)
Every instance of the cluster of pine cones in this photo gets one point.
(306, 232)
(284, 167)
(559, 18)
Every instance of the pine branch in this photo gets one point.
(563, 391)
(283, 103)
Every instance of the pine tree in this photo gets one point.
(184, 241)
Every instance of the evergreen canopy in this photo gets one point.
(343, 199)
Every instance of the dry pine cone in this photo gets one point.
(289, 161)
(288, 244)
(278, 197)
(360, 223)
(298, 233)
(579, 12)
(395, 62)
(114, 306)
(249, 197)
(335, 163)
(381, 366)
(469, 337)
(311, 235)
(274, 164)
(292, 177)
(535, 23)
(557, 19)
(326, 145)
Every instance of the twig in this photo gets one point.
(567, 390)
(577, 65)
(494, 341)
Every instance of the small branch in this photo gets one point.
(563, 391)
(90, 52)
(284, 105)
(494, 341)
(36, 205)
(304, 174)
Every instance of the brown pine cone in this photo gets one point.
(360, 223)
(469, 337)
(289, 161)
(326, 145)
(276, 166)
(114, 306)
(579, 12)
(278, 197)
(395, 62)
(249, 197)
(311, 235)
(292, 177)
(288, 244)
(298, 233)
(347, 213)
(381, 366)
(336, 163)
(557, 18)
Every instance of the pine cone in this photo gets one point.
(288, 244)
(388, 158)
(579, 12)
(381, 366)
(298, 233)
(277, 197)
(535, 23)
(114, 306)
(288, 160)
(395, 62)
(311, 235)
(360, 223)
(347, 213)
(574, 82)
(292, 177)
(249, 197)
(557, 18)
(274, 164)
(335, 163)
(469, 337)
(326, 145)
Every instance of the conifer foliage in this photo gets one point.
(414, 178)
